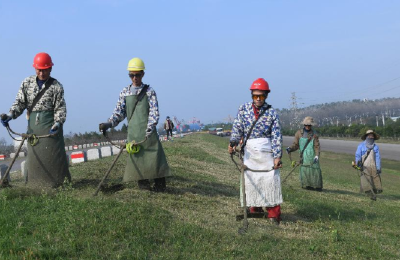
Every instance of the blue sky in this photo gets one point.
(201, 56)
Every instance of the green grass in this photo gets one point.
(195, 218)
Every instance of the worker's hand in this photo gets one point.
(378, 171)
(315, 159)
(104, 126)
(277, 163)
(5, 119)
(54, 129)
(232, 147)
(288, 150)
(359, 163)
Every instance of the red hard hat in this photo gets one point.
(42, 61)
(260, 84)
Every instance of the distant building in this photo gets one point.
(194, 127)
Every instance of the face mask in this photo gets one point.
(370, 141)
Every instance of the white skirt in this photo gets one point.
(263, 189)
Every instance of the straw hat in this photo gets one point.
(308, 120)
(376, 136)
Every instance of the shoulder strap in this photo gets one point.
(368, 152)
(139, 98)
(251, 128)
(47, 85)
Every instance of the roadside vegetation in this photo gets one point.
(348, 118)
(196, 217)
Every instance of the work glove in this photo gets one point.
(360, 165)
(315, 159)
(54, 129)
(5, 119)
(378, 171)
(103, 127)
(288, 150)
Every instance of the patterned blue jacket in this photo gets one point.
(268, 126)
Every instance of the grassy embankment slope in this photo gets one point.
(195, 218)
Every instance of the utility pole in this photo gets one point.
(293, 107)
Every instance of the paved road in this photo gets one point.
(388, 151)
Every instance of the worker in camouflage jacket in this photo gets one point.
(149, 162)
(307, 142)
(43, 98)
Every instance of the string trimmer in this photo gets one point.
(362, 173)
(131, 148)
(243, 168)
(294, 165)
(32, 139)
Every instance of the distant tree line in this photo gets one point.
(95, 137)
(5, 148)
(346, 113)
(347, 118)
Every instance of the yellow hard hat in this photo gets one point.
(136, 64)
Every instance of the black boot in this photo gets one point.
(144, 184)
(159, 185)
(5, 184)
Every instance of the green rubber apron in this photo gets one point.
(310, 172)
(150, 162)
(46, 164)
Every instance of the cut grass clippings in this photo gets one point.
(195, 218)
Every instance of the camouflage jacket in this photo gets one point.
(120, 113)
(52, 100)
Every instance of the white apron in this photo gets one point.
(263, 189)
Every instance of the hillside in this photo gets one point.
(366, 112)
(195, 218)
